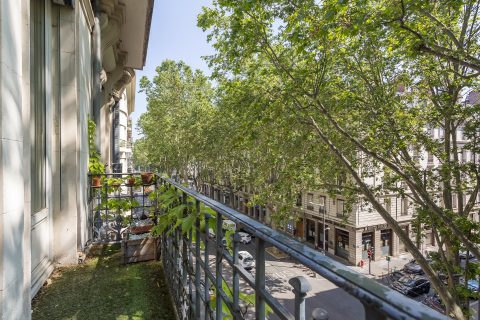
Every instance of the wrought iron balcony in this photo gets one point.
(207, 280)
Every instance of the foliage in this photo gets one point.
(95, 166)
(179, 214)
(366, 81)
(337, 96)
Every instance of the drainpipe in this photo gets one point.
(116, 165)
(97, 69)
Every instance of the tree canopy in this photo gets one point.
(309, 93)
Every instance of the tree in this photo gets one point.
(179, 106)
(337, 68)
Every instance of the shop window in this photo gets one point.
(385, 242)
(342, 243)
(367, 243)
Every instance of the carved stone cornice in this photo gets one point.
(119, 86)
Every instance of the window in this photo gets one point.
(299, 200)
(321, 202)
(441, 133)
(430, 157)
(309, 201)
(454, 201)
(38, 104)
(404, 208)
(429, 132)
(464, 155)
(460, 134)
(388, 205)
(340, 208)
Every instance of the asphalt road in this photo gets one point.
(339, 304)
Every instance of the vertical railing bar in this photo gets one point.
(186, 256)
(197, 260)
(373, 313)
(260, 280)
(207, 267)
(218, 263)
(236, 278)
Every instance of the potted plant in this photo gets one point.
(119, 206)
(147, 177)
(95, 167)
(130, 181)
(114, 182)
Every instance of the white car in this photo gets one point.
(245, 238)
(246, 260)
(229, 225)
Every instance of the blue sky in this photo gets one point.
(173, 35)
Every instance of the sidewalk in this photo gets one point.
(380, 268)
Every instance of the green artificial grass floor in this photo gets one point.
(102, 288)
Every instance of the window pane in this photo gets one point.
(37, 77)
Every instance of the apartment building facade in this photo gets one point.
(61, 63)
(349, 233)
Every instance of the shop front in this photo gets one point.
(386, 242)
(310, 231)
(341, 243)
(367, 244)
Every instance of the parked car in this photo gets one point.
(246, 260)
(394, 276)
(412, 286)
(435, 303)
(229, 225)
(245, 238)
(414, 267)
(211, 234)
(463, 255)
(472, 285)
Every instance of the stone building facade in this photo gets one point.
(61, 63)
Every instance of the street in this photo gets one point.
(339, 304)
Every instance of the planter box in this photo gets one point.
(141, 229)
(140, 250)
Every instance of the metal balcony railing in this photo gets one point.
(119, 208)
(200, 291)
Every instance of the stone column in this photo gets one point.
(14, 160)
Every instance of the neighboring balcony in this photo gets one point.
(236, 267)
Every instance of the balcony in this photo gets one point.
(202, 266)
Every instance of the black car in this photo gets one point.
(414, 267)
(435, 303)
(412, 286)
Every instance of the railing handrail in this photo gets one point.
(371, 293)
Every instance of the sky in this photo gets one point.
(173, 35)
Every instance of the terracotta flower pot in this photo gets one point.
(96, 181)
(147, 177)
(131, 181)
